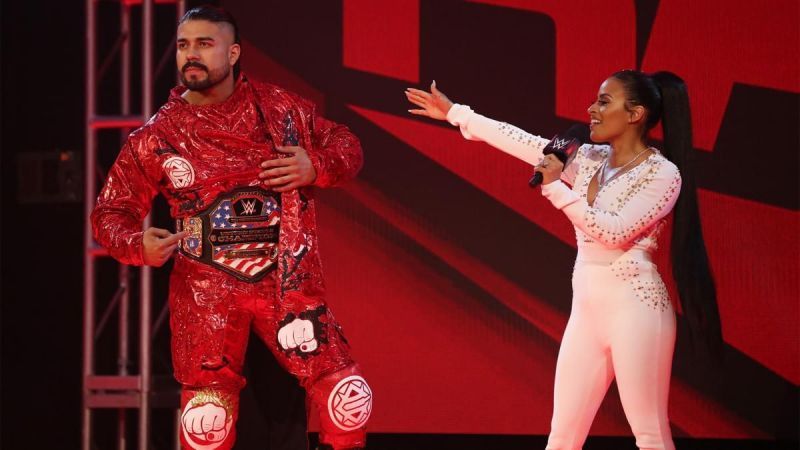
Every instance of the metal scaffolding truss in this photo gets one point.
(122, 390)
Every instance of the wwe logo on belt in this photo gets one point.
(248, 207)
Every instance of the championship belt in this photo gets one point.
(237, 234)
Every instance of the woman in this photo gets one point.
(622, 322)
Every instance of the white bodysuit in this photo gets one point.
(622, 322)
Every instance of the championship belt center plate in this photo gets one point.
(237, 234)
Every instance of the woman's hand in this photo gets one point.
(550, 168)
(434, 104)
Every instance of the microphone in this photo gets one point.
(565, 147)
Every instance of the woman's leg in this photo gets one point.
(583, 374)
(641, 349)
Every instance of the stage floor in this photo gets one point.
(381, 441)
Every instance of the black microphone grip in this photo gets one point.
(563, 147)
(536, 179)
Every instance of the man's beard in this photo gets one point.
(213, 77)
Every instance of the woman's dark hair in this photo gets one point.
(665, 98)
(215, 14)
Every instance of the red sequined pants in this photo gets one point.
(211, 316)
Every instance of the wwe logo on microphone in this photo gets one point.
(559, 143)
(564, 147)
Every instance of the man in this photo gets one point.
(237, 161)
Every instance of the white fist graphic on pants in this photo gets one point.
(206, 426)
(298, 333)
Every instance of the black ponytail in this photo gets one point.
(666, 99)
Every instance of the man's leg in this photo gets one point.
(209, 339)
(309, 344)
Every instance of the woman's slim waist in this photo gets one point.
(602, 255)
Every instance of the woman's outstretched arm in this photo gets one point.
(503, 136)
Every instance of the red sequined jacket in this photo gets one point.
(192, 153)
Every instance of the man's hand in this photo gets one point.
(285, 174)
(159, 244)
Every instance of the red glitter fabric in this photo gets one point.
(191, 154)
